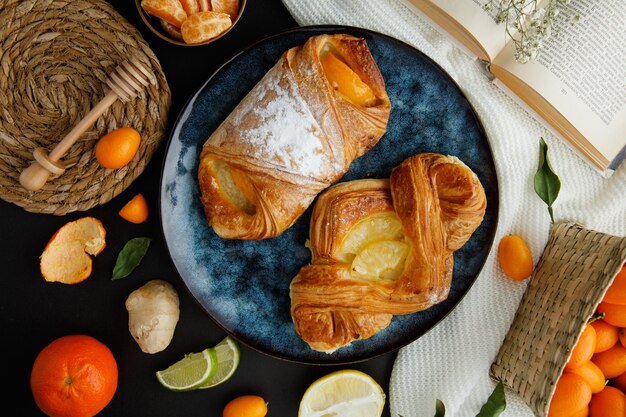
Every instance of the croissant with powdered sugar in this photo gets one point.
(296, 132)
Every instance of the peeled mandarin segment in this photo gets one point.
(347, 82)
(66, 257)
(171, 30)
(204, 5)
(611, 362)
(202, 26)
(592, 376)
(614, 314)
(616, 294)
(190, 6)
(230, 7)
(572, 394)
(584, 349)
(169, 10)
(374, 228)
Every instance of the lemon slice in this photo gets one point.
(346, 393)
(374, 228)
(227, 355)
(189, 372)
(380, 260)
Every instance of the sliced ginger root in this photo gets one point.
(66, 258)
(346, 82)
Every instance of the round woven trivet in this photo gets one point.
(575, 270)
(55, 57)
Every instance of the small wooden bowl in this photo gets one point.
(154, 25)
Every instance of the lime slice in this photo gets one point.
(189, 372)
(227, 353)
(381, 260)
(346, 393)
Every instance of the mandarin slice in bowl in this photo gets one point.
(190, 6)
(203, 26)
(204, 5)
(171, 30)
(230, 7)
(169, 10)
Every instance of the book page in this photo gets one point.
(468, 22)
(581, 73)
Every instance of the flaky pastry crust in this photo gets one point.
(440, 203)
(291, 137)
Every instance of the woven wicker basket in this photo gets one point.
(574, 272)
(55, 56)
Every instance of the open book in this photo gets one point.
(577, 84)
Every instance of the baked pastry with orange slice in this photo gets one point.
(296, 132)
(384, 247)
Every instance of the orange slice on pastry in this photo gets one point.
(346, 82)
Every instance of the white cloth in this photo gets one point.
(451, 362)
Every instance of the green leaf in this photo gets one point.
(496, 403)
(440, 409)
(130, 256)
(547, 183)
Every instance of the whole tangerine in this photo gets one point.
(515, 257)
(246, 406)
(612, 362)
(614, 314)
(609, 402)
(74, 376)
(118, 147)
(619, 382)
(616, 294)
(584, 349)
(606, 335)
(592, 375)
(572, 395)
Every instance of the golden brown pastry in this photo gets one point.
(384, 247)
(297, 131)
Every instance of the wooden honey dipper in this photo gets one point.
(125, 82)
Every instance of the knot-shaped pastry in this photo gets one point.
(384, 247)
(294, 134)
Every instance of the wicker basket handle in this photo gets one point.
(125, 82)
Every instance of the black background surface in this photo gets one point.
(33, 312)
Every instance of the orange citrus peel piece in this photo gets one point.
(66, 258)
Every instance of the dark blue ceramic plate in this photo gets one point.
(244, 285)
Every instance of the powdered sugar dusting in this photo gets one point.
(286, 133)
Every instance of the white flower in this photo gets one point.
(526, 24)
